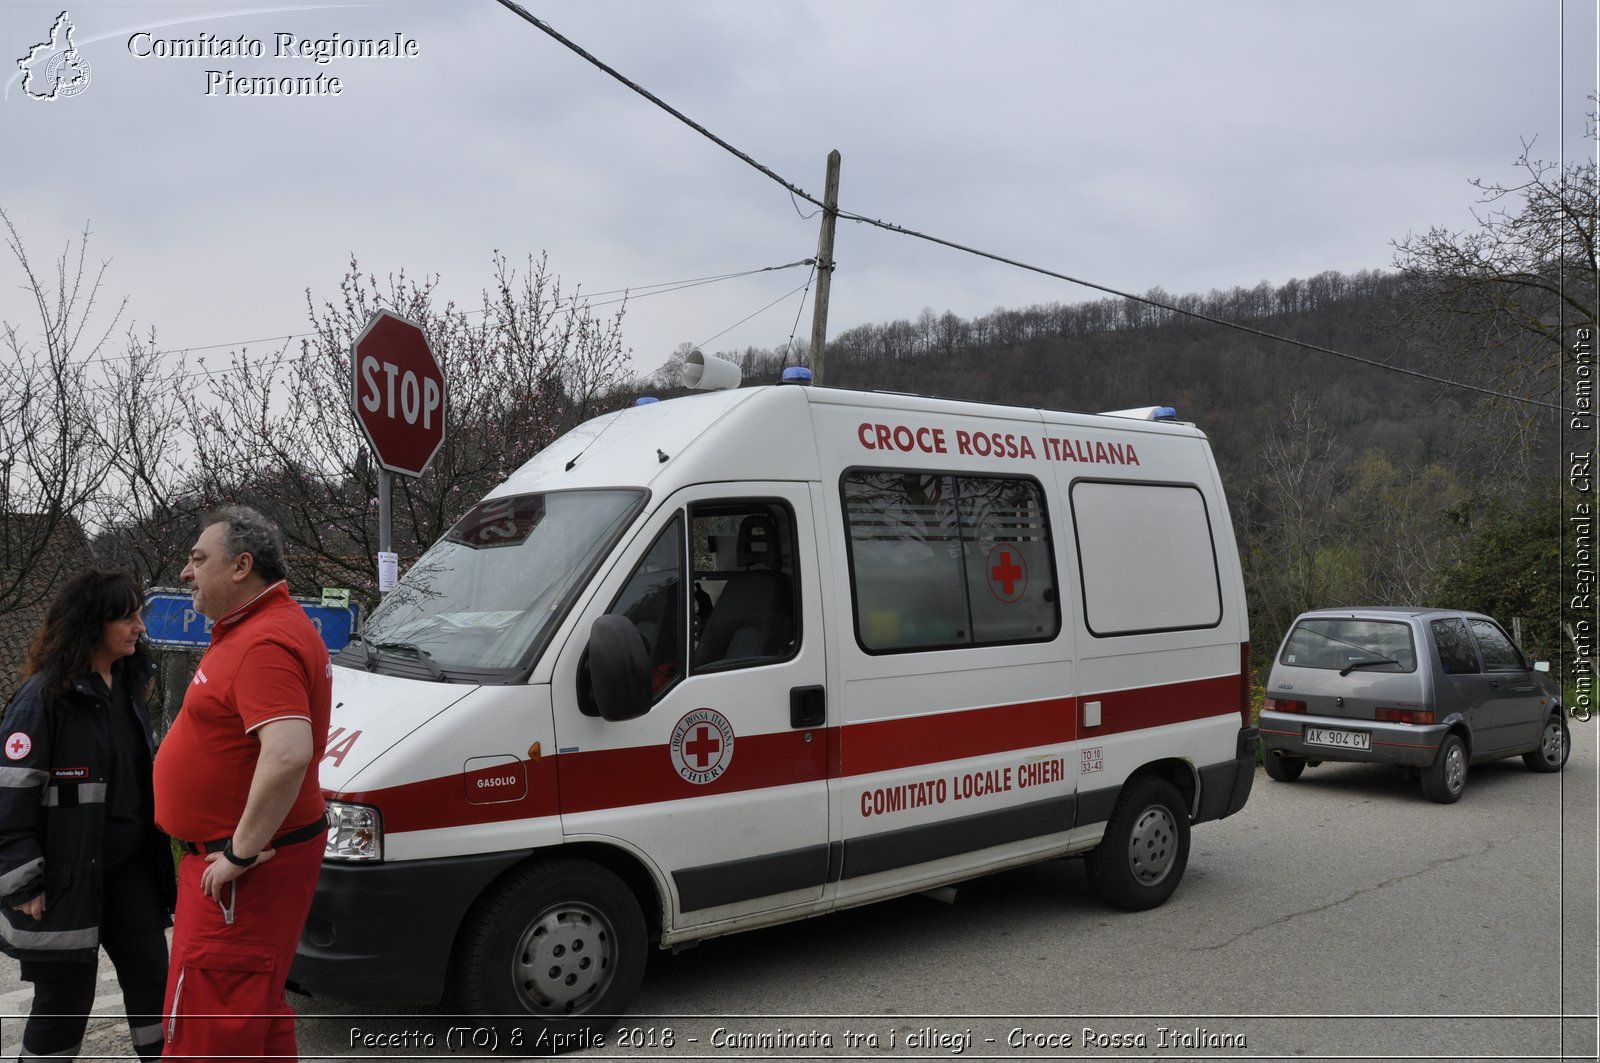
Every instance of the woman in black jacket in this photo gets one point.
(81, 862)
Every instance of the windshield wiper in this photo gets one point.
(1362, 664)
(422, 655)
(1377, 658)
(370, 658)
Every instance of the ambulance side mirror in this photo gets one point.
(619, 668)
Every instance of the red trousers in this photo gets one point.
(225, 981)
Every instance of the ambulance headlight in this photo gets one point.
(355, 832)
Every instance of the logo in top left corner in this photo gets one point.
(54, 69)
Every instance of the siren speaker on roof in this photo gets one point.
(709, 373)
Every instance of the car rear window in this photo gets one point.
(1345, 642)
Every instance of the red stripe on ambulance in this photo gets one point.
(1134, 710)
(593, 780)
(914, 741)
(617, 778)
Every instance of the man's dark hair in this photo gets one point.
(251, 533)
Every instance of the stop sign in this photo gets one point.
(397, 392)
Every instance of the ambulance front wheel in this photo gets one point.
(563, 941)
(1141, 858)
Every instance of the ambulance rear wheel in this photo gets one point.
(1141, 858)
(563, 941)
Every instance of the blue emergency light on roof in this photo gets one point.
(645, 400)
(1145, 413)
(796, 374)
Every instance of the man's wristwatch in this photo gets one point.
(235, 859)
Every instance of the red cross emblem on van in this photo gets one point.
(1008, 572)
(702, 746)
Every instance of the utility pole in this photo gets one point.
(830, 215)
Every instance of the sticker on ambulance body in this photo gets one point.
(702, 746)
(1093, 760)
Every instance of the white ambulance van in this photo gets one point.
(744, 657)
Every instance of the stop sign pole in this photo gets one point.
(388, 560)
(397, 393)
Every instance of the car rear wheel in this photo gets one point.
(1445, 779)
(1140, 860)
(1554, 746)
(562, 941)
(1284, 769)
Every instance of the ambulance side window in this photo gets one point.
(653, 600)
(744, 583)
(939, 561)
(1147, 557)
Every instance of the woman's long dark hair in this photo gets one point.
(74, 625)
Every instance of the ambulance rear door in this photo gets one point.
(721, 785)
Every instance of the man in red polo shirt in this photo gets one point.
(236, 783)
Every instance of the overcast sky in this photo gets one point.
(1185, 145)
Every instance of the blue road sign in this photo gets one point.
(170, 620)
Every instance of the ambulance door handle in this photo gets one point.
(808, 707)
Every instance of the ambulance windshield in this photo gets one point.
(493, 588)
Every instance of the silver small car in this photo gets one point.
(1432, 690)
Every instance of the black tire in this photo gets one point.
(1140, 861)
(1446, 778)
(1283, 769)
(563, 941)
(1555, 745)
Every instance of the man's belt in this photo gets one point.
(315, 829)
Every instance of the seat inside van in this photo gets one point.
(754, 614)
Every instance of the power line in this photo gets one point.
(795, 328)
(635, 295)
(1197, 315)
(757, 313)
(692, 282)
(796, 190)
(586, 298)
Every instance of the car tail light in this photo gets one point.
(1404, 715)
(1246, 683)
(1281, 705)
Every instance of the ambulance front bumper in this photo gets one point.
(381, 933)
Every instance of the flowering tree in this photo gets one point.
(277, 432)
(85, 413)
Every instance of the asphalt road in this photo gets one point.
(1342, 916)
